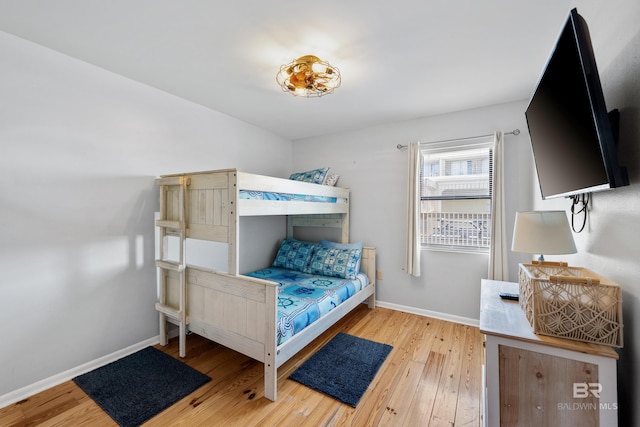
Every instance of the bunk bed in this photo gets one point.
(240, 311)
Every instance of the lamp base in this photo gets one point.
(550, 263)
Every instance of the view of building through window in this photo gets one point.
(456, 195)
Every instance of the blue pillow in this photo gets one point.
(316, 176)
(334, 262)
(355, 245)
(294, 254)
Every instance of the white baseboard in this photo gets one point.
(428, 313)
(30, 390)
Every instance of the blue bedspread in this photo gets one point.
(303, 298)
(262, 195)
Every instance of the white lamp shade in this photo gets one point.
(543, 232)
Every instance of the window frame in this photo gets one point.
(455, 150)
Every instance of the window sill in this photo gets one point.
(456, 249)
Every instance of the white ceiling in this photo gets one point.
(399, 60)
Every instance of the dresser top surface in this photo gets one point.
(506, 319)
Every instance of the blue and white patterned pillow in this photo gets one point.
(316, 176)
(331, 179)
(294, 254)
(335, 262)
(354, 245)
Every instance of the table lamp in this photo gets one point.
(542, 232)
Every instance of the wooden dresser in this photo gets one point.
(536, 380)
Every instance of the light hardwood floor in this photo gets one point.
(432, 377)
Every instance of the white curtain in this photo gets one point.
(498, 268)
(412, 262)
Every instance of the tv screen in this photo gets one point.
(571, 136)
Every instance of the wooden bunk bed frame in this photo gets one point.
(234, 310)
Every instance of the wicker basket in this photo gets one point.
(571, 302)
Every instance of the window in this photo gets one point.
(455, 194)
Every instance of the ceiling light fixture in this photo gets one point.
(308, 76)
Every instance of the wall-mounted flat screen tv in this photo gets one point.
(570, 129)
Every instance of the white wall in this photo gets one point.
(80, 148)
(609, 243)
(370, 164)
(375, 171)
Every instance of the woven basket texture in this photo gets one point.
(567, 302)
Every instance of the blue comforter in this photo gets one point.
(260, 195)
(303, 298)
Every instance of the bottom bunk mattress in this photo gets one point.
(304, 298)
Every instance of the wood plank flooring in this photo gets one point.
(432, 377)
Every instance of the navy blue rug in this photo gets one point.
(135, 388)
(343, 368)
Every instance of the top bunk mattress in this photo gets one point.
(267, 195)
(304, 298)
(264, 195)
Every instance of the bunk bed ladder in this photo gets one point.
(172, 273)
